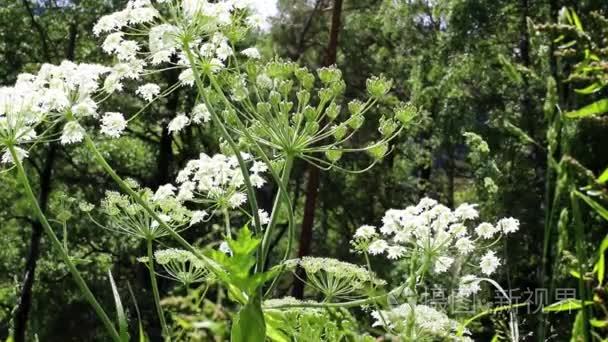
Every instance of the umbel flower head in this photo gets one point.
(181, 266)
(437, 236)
(217, 181)
(20, 112)
(147, 37)
(292, 111)
(428, 323)
(67, 92)
(125, 216)
(337, 279)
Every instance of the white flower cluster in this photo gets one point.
(200, 114)
(217, 180)
(428, 322)
(181, 266)
(126, 216)
(20, 112)
(335, 278)
(203, 25)
(68, 92)
(434, 231)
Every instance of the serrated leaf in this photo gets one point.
(245, 243)
(596, 108)
(274, 323)
(238, 265)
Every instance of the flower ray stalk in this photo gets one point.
(282, 194)
(154, 283)
(216, 119)
(276, 208)
(349, 304)
(282, 182)
(126, 188)
(64, 256)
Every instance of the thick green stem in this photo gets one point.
(276, 208)
(159, 309)
(63, 254)
(253, 203)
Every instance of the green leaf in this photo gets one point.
(523, 136)
(590, 89)
(577, 328)
(601, 262)
(603, 178)
(576, 21)
(274, 326)
(595, 108)
(603, 212)
(142, 334)
(510, 69)
(123, 327)
(596, 323)
(248, 324)
(564, 16)
(238, 278)
(569, 304)
(567, 45)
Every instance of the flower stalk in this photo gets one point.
(154, 283)
(276, 208)
(84, 289)
(127, 189)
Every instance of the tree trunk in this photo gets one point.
(312, 187)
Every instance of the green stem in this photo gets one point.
(580, 255)
(462, 328)
(253, 203)
(227, 223)
(281, 185)
(159, 309)
(350, 304)
(276, 208)
(63, 254)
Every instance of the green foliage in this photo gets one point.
(237, 266)
(312, 325)
(121, 318)
(472, 77)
